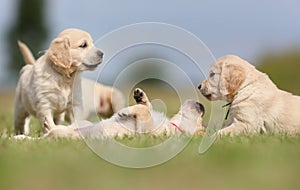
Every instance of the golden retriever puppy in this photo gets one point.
(139, 119)
(257, 105)
(106, 100)
(45, 88)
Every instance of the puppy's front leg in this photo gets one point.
(69, 117)
(140, 112)
(75, 105)
(59, 118)
(46, 121)
(236, 128)
(142, 116)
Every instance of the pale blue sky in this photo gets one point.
(246, 28)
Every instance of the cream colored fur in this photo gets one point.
(139, 119)
(258, 106)
(51, 86)
(106, 100)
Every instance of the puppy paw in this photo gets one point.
(124, 113)
(138, 95)
(141, 98)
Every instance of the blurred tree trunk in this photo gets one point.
(29, 27)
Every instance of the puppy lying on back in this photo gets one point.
(140, 119)
(45, 88)
(257, 105)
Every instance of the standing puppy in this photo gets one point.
(257, 105)
(52, 86)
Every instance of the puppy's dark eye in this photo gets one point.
(211, 74)
(83, 45)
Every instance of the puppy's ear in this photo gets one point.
(232, 76)
(59, 52)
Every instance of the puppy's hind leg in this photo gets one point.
(20, 118)
(27, 126)
(141, 98)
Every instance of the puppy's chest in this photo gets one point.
(63, 98)
(57, 97)
(52, 89)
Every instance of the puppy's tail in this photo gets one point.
(26, 53)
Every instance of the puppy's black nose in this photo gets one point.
(199, 87)
(100, 53)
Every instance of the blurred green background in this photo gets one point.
(267, 36)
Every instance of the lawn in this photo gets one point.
(257, 162)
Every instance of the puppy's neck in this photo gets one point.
(246, 90)
(66, 73)
(188, 125)
(177, 119)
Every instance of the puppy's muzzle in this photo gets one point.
(97, 60)
(204, 91)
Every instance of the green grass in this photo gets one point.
(261, 162)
